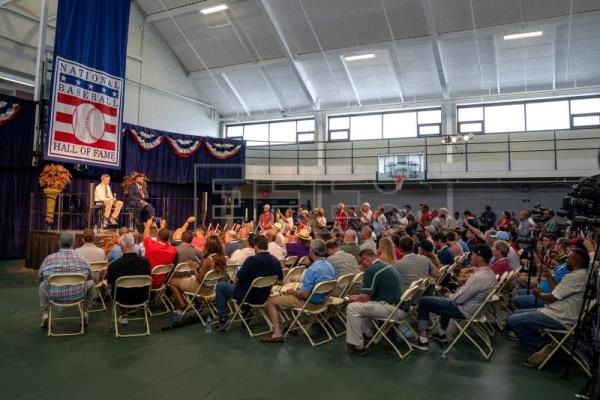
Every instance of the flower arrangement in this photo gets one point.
(55, 176)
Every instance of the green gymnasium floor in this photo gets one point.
(189, 363)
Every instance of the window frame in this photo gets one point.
(524, 103)
(268, 123)
(382, 114)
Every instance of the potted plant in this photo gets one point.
(53, 179)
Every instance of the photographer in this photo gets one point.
(525, 227)
(549, 223)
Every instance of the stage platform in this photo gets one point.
(40, 243)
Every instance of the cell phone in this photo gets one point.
(347, 299)
(157, 221)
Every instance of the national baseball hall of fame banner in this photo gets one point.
(88, 82)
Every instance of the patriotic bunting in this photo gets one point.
(147, 141)
(184, 148)
(8, 112)
(223, 151)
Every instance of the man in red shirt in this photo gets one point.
(159, 251)
(341, 218)
(265, 221)
(426, 215)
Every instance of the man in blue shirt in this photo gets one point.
(320, 271)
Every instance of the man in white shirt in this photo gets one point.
(104, 195)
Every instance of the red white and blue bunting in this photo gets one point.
(147, 141)
(184, 148)
(8, 112)
(223, 151)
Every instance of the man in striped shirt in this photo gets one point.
(65, 261)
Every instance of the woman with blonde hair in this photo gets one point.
(320, 221)
(386, 251)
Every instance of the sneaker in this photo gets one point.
(177, 316)
(221, 326)
(439, 338)
(510, 335)
(539, 356)
(123, 320)
(417, 344)
(359, 351)
(44, 323)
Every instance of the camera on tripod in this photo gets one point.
(582, 202)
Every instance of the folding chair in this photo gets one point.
(99, 269)
(336, 303)
(160, 292)
(290, 261)
(559, 340)
(471, 330)
(257, 283)
(291, 280)
(231, 270)
(132, 282)
(314, 315)
(61, 282)
(384, 325)
(184, 267)
(305, 260)
(205, 293)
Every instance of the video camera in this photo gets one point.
(582, 202)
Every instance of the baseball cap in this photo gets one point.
(483, 250)
(407, 206)
(426, 245)
(501, 235)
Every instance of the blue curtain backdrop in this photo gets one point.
(170, 176)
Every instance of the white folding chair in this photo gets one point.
(160, 292)
(127, 283)
(99, 269)
(384, 325)
(231, 270)
(290, 261)
(304, 260)
(181, 268)
(291, 280)
(559, 339)
(336, 303)
(205, 293)
(257, 283)
(313, 315)
(59, 282)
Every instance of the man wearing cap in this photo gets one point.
(460, 305)
(265, 220)
(341, 217)
(447, 220)
(279, 237)
(512, 256)
(105, 196)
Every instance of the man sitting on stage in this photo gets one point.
(103, 195)
(137, 196)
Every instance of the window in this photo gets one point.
(386, 125)
(547, 115)
(535, 115)
(365, 127)
(273, 133)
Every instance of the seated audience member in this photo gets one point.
(449, 221)
(64, 261)
(185, 251)
(239, 256)
(288, 218)
(350, 245)
(469, 219)
(89, 250)
(463, 245)
(382, 288)
(199, 239)
(512, 256)
(320, 270)
(353, 220)
(413, 266)
(500, 265)
(460, 305)
(455, 247)
(425, 248)
(505, 222)
(159, 251)
(276, 251)
(214, 259)
(342, 262)
(255, 266)
(397, 251)
(386, 251)
(279, 236)
(442, 250)
(116, 252)
(550, 225)
(130, 263)
(472, 239)
(300, 248)
(561, 311)
(368, 242)
(231, 243)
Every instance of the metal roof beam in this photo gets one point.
(433, 35)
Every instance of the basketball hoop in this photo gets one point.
(399, 179)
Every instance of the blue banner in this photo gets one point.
(88, 82)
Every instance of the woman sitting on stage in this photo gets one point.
(214, 259)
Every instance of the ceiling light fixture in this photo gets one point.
(523, 35)
(214, 9)
(17, 81)
(359, 57)
(467, 136)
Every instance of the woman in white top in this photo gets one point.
(366, 214)
(288, 218)
(320, 221)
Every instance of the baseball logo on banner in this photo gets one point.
(85, 117)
